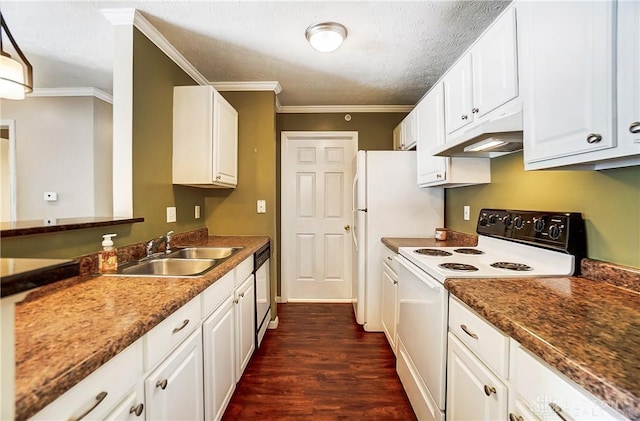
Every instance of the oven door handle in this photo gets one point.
(423, 276)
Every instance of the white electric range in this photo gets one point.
(511, 244)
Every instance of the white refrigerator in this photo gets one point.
(387, 202)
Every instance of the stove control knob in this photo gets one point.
(518, 222)
(483, 221)
(492, 219)
(554, 232)
(507, 221)
(538, 224)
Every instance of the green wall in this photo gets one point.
(374, 129)
(154, 77)
(609, 201)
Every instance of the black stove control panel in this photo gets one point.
(561, 231)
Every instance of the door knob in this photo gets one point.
(347, 227)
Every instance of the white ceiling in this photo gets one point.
(393, 53)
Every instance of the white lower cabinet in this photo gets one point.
(473, 391)
(174, 389)
(389, 298)
(218, 333)
(245, 324)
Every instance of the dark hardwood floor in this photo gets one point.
(320, 365)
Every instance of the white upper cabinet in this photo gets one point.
(405, 135)
(485, 78)
(437, 170)
(629, 74)
(568, 79)
(205, 138)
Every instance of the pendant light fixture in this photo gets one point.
(16, 77)
(326, 36)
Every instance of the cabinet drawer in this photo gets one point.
(215, 294)
(388, 258)
(171, 331)
(101, 390)
(547, 392)
(243, 270)
(491, 345)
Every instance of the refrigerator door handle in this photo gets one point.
(354, 211)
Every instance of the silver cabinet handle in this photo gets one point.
(438, 175)
(475, 110)
(465, 117)
(489, 390)
(162, 384)
(468, 332)
(99, 398)
(635, 127)
(556, 408)
(218, 177)
(389, 258)
(235, 301)
(137, 409)
(184, 324)
(514, 417)
(594, 138)
(395, 282)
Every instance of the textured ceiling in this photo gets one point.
(393, 53)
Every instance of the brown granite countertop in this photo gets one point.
(587, 329)
(65, 335)
(454, 239)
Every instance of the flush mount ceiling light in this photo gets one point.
(15, 77)
(326, 36)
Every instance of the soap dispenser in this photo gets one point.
(108, 256)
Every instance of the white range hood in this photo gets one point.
(494, 136)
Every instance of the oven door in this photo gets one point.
(422, 332)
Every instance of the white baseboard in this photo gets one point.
(273, 324)
(322, 300)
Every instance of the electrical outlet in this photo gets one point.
(262, 206)
(171, 214)
(467, 213)
(197, 212)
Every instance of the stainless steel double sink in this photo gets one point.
(181, 262)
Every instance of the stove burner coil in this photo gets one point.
(433, 252)
(468, 251)
(458, 266)
(520, 267)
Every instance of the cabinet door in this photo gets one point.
(218, 333)
(473, 392)
(174, 390)
(397, 137)
(131, 408)
(566, 54)
(389, 304)
(628, 71)
(409, 131)
(245, 325)
(495, 66)
(430, 116)
(225, 142)
(457, 95)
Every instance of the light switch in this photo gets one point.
(262, 206)
(50, 196)
(196, 212)
(171, 214)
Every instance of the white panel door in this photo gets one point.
(317, 174)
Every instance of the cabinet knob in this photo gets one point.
(594, 138)
(635, 127)
(475, 110)
(438, 175)
(235, 301)
(218, 177)
(395, 282)
(185, 322)
(162, 384)
(489, 390)
(465, 117)
(347, 227)
(514, 417)
(137, 409)
(99, 398)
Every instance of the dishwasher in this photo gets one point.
(263, 291)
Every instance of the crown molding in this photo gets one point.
(133, 17)
(308, 109)
(51, 92)
(248, 86)
(278, 105)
